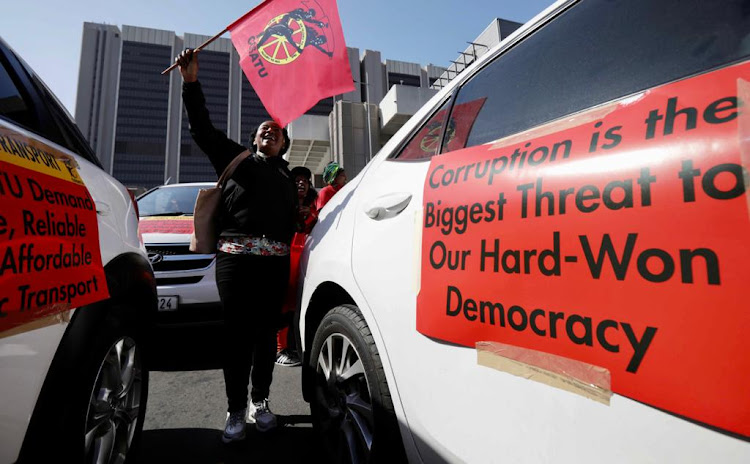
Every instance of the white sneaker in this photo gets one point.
(287, 358)
(260, 413)
(234, 430)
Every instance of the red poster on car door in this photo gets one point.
(50, 260)
(617, 237)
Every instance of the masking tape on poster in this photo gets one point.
(28, 153)
(587, 380)
(53, 319)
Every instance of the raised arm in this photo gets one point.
(219, 148)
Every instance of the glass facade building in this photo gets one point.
(252, 112)
(214, 78)
(142, 107)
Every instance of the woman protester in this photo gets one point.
(335, 178)
(307, 212)
(256, 225)
(307, 216)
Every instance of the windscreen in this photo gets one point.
(169, 201)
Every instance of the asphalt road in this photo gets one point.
(187, 408)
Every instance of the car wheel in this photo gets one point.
(351, 405)
(116, 403)
(93, 403)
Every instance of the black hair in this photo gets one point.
(312, 194)
(283, 150)
(302, 171)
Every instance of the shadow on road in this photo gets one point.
(287, 444)
(187, 348)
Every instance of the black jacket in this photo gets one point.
(260, 198)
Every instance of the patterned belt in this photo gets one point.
(246, 245)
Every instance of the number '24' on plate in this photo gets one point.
(167, 303)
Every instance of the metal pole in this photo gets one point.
(197, 49)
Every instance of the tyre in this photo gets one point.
(93, 403)
(351, 405)
(116, 405)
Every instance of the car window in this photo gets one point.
(598, 51)
(70, 135)
(13, 105)
(168, 201)
(424, 144)
(25, 100)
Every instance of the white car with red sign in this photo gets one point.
(185, 280)
(77, 294)
(548, 262)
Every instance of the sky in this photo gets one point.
(47, 33)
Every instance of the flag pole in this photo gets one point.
(197, 49)
(205, 44)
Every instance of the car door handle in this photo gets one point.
(102, 208)
(387, 206)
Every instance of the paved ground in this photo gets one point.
(186, 411)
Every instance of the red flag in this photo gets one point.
(425, 143)
(293, 53)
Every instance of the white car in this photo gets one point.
(77, 293)
(548, 262)
(185, 280)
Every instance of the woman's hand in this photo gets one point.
(187, 61)
(304, 210)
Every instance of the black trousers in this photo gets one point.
(252, 291)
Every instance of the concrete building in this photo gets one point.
(134, 117)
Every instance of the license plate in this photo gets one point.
(167, 303)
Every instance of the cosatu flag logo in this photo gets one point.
(293, 53)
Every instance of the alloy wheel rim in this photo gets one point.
(344, 398)
(114, 404)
